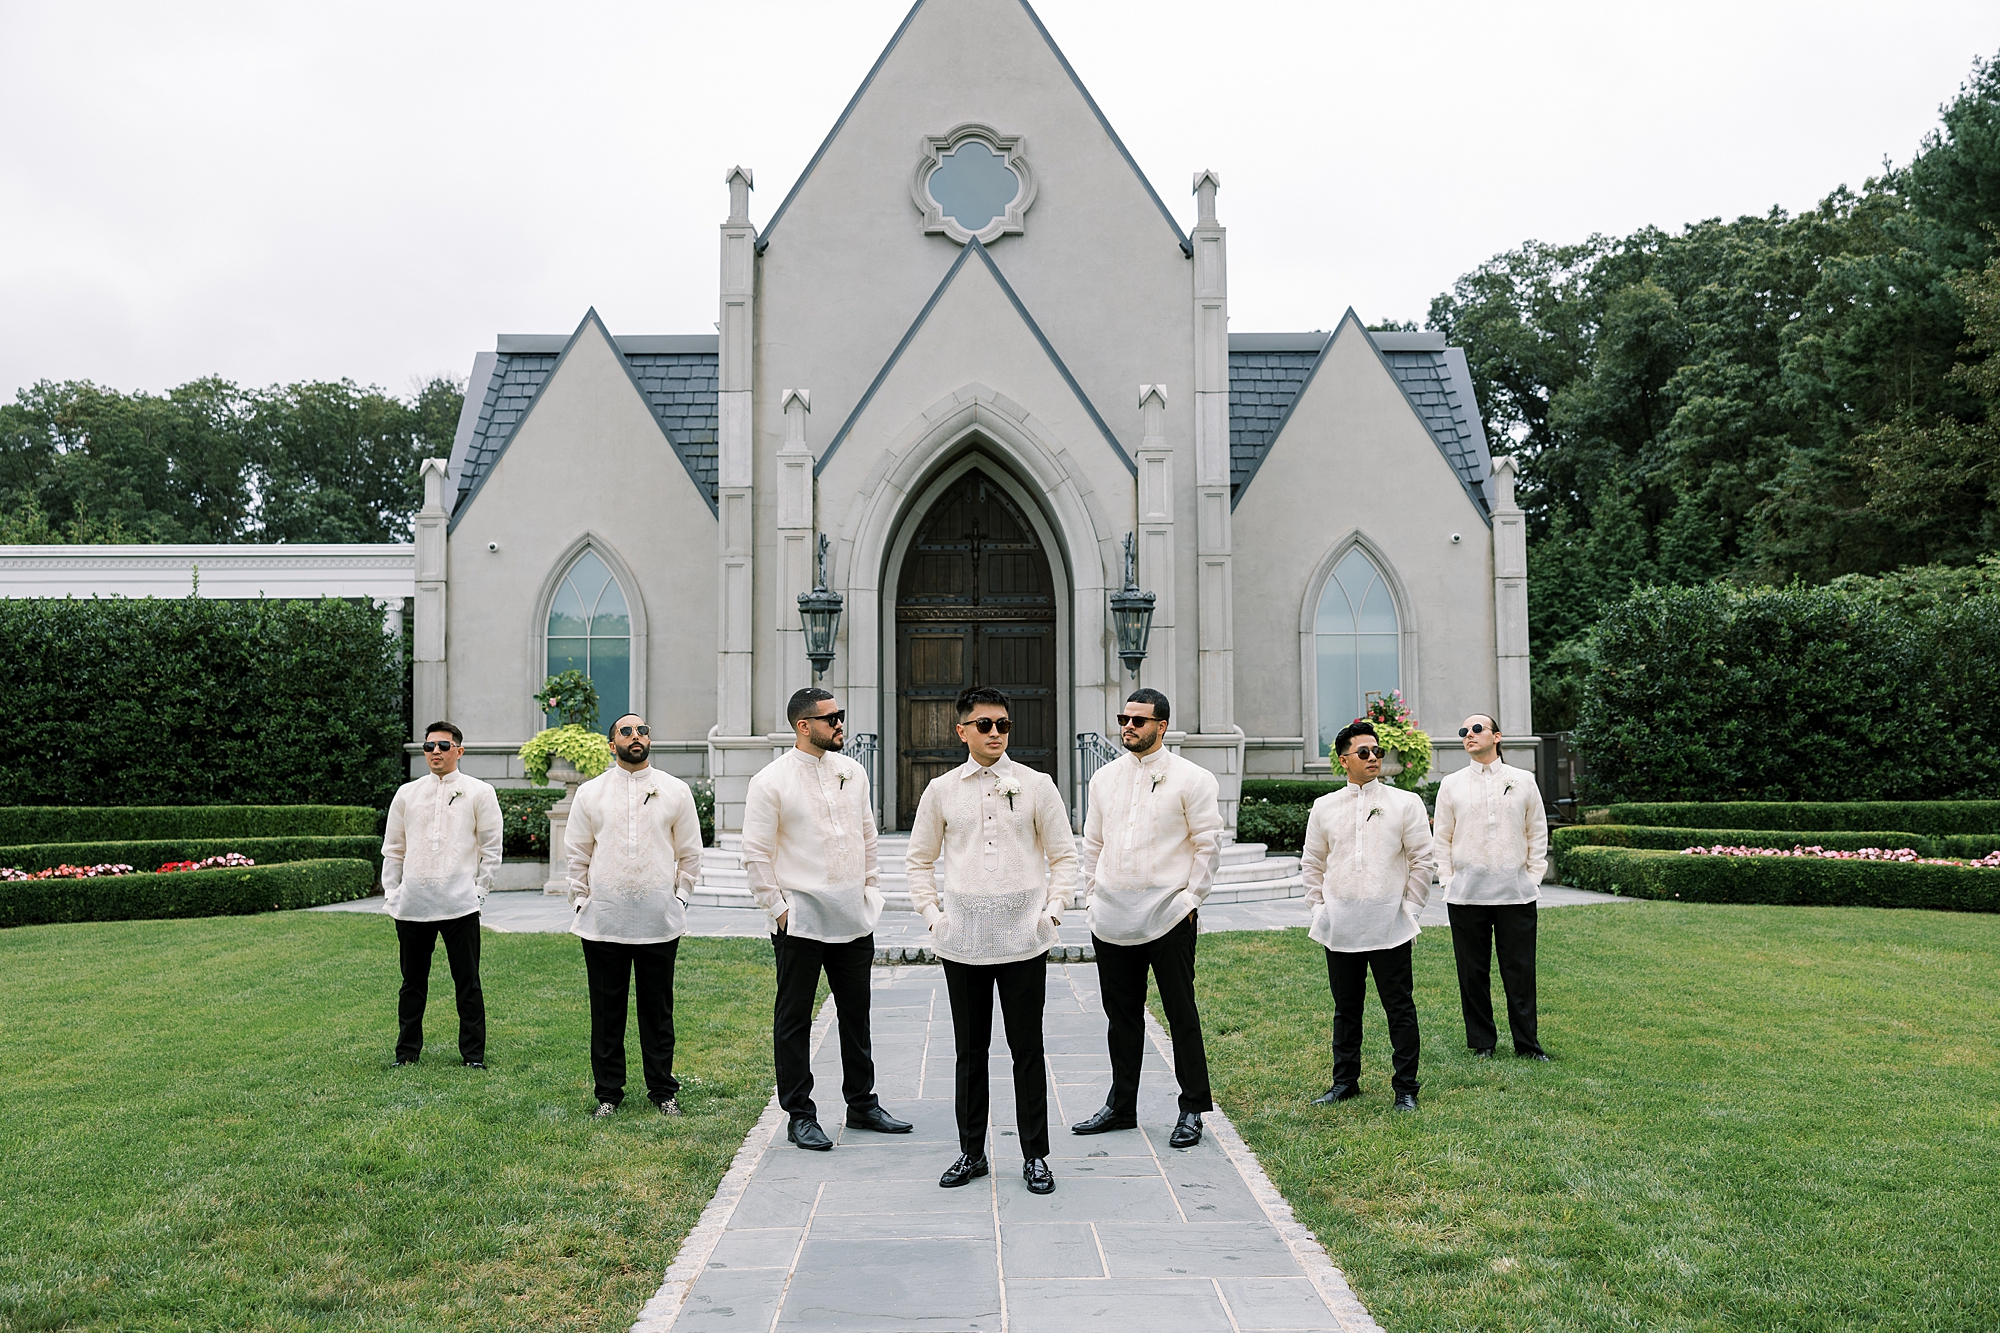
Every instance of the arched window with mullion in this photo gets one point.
(1358, 639)
(590, 630)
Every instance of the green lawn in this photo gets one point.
(1757, 1119)
(200, 1129)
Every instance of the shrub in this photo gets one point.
(189, 893)
(1563, 840)
(1756, 879)
(1287, 791)
(149, 855)
(164, 823)
(1816, 816)
(198, 702)
(1281, 828)
(524, 814)
(587, 750)
(1790, 694)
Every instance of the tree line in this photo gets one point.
(1772, 399)
(212, 462)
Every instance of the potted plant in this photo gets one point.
(569, 754)
(1409, 760)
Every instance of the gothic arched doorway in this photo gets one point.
(975, 605)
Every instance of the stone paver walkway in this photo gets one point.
(529, 910)
(863, 1240)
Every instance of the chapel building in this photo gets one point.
(971, 351)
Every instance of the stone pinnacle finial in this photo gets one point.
(740, 180)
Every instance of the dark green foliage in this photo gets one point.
(1790, 694)
(197, 702)
(159, 823)
(524, 815)
(1288, 791)
(150, 854)
(1281, 828)
(1782, 880)
(1563, 840)
(1927, 817)
(188, 893)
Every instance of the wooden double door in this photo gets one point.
(975, 605)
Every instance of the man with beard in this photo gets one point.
(1009, 868)
(809, 850)
(1149, 848)
(439, 852)
(634, 847)
(1493, 844)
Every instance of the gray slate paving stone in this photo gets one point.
(1102, 1305)
(1050, 1249)
(1266, 1304)
(873, 1286)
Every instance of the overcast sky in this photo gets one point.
(279, 192)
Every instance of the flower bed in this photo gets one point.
(1790, 880)
(222, 891)
(1906, 855)
(64, 871)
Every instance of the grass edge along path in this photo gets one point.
(201, 1129)
(1757, 1119)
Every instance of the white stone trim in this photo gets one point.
(305, 570)
(1008, 148)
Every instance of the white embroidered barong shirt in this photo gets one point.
(1492, 835)
(634, 848)
(809, 846)
(1009, 864)
(1149, 845)
(1367, 867)
(440, 847)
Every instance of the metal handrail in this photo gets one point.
(864, 748)
(1093, 751)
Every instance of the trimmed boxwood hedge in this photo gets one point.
(1814, 816)
(1288, 791)
(189, 893)
(1281, 828)
(1797, 881)
(151, 854)
(1971, 846)
(22, 824)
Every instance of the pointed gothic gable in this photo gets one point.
(1272, 374)
(974, 330)
(674, 376)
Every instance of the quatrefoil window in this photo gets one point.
(973, 183)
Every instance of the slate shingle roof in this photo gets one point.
(1267, 371)
(678, 376)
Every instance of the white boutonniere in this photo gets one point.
(1158, 778)
(651, 792)
(1508, 790)
(454, 796)
(843, 782)
(1008, 787)
(1372, 813)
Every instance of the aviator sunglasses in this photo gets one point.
(1003, 725)
(438, 745)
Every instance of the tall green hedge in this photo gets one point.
(152, 854)
(1814, 816)
(1790, 694)
(198, 702)
(159, 823)
(189, 893)
(1782, 880)
(1288, 791)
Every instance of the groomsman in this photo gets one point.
(439, 852)
(1009, 869)
(1492, 847)
(634, 847)
(1367, 871)
(809, 849)
(1149, 847)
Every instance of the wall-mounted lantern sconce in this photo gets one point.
(1132, 611)
(819, 612)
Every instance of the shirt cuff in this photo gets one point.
(932, 915)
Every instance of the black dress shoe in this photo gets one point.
(475, 1064)
(1104, 1122)
(401, 1063)
(1339, 1092)
(963, 1171)
(1187, 1131)
(1542, 1056)
(1040, 1179)
(805, 1131)
(877, 1119)
(1482, 1052)
(1405, 1101)
(604, 1111)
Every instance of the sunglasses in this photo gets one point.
(1127, 721)
(1475, 729)
(832, 719)
(438, 745)
(627, 731)
(1003, 725)
(1369, 752)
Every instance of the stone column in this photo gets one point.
(1510, 603)
(1216, 742)
(735, 529)
(430, 700)
(795, 549)
(1156, 537)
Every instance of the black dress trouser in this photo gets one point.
(1023, 988)
(848, 968)
(648, 971)
(1347, 977)
(1121, 982)
(416, 942)
(1477, 933)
